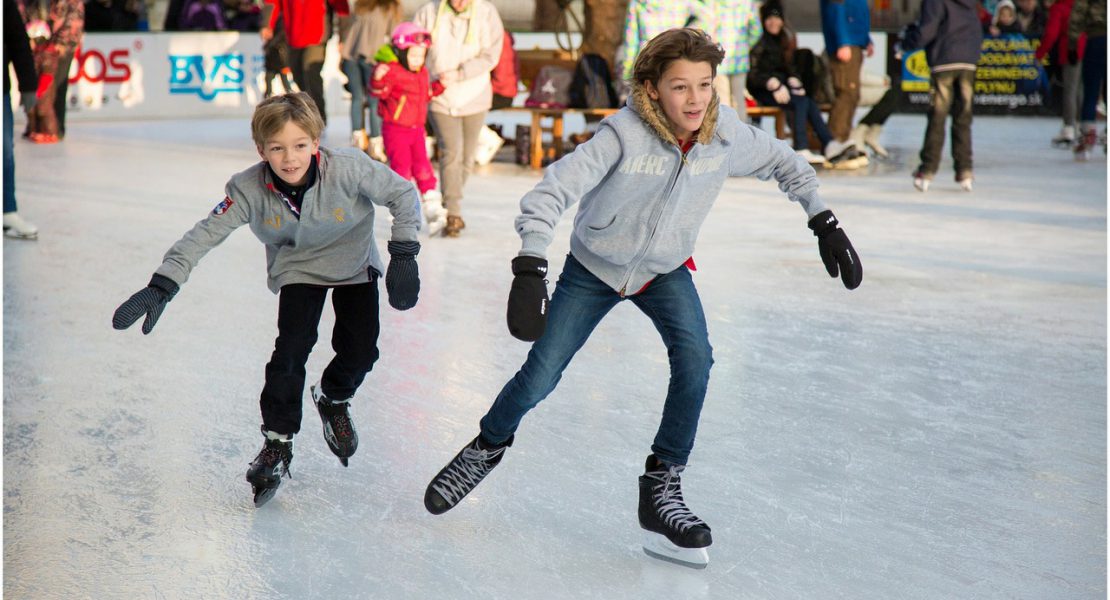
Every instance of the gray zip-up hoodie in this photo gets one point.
(642, 201)
(331, 244)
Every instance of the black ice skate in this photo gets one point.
(339, 430)
(268, 467)
(463, 474)
(673, 533)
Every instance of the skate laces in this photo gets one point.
(272, 452)
(339, 417)
(667, 497)
(465, 473)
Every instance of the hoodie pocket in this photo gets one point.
(616, 241)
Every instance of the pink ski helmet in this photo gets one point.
(406, 35)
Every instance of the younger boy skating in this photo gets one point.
(313, 209)
(645, 183)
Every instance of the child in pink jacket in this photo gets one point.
(402, 85)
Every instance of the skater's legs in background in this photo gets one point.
(9, 157)
(737, 84)
(422, 170)
(61, 96)
(964, 89)
(882, 109)
(354, 339)
(397, 138)
(673, 305)
(940, 102)
(299, 309)
(307, 64)
(1071, 74)
(578, 304)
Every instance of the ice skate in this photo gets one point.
(921, 180)
(269, 466)
(844, 156)
(434, 212)
(1066, 139)
(671, 532)
(965, 180)
(16, 227)
(1085, 147)
(455, 225)
(469, 467)
(339, 430)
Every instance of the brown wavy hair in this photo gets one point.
(687, 43)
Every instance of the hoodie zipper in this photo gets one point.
(656, 218)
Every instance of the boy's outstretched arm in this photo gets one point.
(179, 262)
(759, 154)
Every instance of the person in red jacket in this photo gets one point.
(307, 29)
(505, 75)
(403, 88)
(1056, 39)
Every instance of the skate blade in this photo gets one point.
(343, 461)
(658, 546)
(262, 495)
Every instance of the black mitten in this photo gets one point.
(402, 278)
(149, 301)
(836, 251)
(527, 314)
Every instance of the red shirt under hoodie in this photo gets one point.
(404, 95)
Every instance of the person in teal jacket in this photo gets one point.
(644, 184)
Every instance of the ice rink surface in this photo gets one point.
(938, 433)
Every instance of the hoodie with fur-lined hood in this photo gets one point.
(642, 201)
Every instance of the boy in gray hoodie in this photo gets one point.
(313, 208)
(645, 183)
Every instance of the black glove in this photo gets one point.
(149, 301)
(837, 252)
(402, 278)
(527, 315)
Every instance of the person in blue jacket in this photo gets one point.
(846, 25)
(644, 184)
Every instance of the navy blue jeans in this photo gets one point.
(358, 73)
(579, 303)
(1094, 71)
(9, 156)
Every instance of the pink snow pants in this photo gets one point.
(404, 146)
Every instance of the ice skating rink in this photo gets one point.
(938, 433)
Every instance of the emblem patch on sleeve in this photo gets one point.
(222, 207)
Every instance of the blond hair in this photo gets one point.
(271, 115)
(686, 43)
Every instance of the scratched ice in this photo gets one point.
(938, 433)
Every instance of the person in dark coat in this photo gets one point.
(950, 33)
(17, 53)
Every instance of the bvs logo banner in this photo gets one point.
(219, 74)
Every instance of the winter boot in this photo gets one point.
(469, 467)
(454, 226)
(434, 211)
(376, 149)
(673, 532)
(871, 139)
(267, 469)
(339, 431)
(359, 139)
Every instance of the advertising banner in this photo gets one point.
(1008, 78)
(175, 75)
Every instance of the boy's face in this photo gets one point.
(415, 57)
(684, 93)
(290, 153)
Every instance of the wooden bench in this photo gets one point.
(550, 120)
(771, 111)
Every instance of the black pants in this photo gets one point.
(950, 93)
(354, 339)
(307, 64)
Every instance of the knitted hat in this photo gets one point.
(771, 8)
